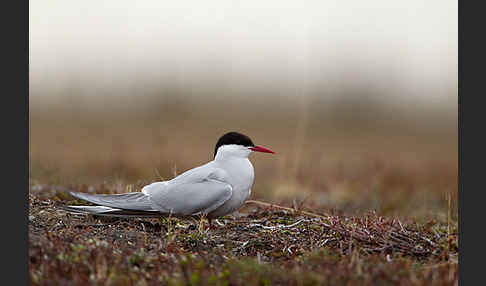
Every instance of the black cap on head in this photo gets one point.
(233, 138)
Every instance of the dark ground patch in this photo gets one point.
(262, 246)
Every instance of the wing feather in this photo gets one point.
(129, 201)
(191, 198)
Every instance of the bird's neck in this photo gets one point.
(229, 154)
(230, 159)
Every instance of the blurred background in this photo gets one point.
(358, 98)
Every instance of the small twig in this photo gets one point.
(90, 225)
(219, 223)
(290, 251)
(286, 208)
(144, 233)
(429, 241)
(401, 226)
(277, 226)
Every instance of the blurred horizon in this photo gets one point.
(407, 49)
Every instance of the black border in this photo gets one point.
(15, 119)
(471, 208)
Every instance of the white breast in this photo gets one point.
(241, 175)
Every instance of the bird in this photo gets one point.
(215, 189)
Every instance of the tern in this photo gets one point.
(214, 189)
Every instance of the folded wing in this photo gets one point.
(189, 198)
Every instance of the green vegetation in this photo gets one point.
(258, 248)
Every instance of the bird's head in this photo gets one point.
(237, 144)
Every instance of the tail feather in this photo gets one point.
(135, 204)
(111, 212)
(136, 201)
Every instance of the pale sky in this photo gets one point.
(242, 42)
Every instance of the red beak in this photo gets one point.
(261, 149)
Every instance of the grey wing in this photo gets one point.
(191, 198)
